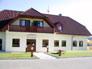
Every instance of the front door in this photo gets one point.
(31, 45)
(0, 44)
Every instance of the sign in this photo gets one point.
(31, 36)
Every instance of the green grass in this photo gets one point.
(15, 55)
(73, 54)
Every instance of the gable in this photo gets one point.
(17, 22)
(32, 12)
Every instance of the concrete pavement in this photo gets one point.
(42, 55)
(65, 63)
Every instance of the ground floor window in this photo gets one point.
(45, 43)
(74, 43)
(15, 42)
(56, 43)
(81, 43)
(64, 43)
(0, 44)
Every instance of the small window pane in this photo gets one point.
(75, 43)
(22, 22)
(15, 43)
(56, 43)
(27, 22)
(40, 24)
(37, 23)
(28, 42)
(64, 43)
(81, 43)
(59, 28)
(0, 41)
(45, 43)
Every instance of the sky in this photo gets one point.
(79, 10)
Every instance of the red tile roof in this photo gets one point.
(70, 26)
(32, 12)
(8, 14)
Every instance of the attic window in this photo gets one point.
(38, 23)
(24, 22)
(59, 28)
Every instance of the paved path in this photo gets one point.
(65, 63)
(43, 56)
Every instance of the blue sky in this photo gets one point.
(80, 10)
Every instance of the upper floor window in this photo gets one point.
(24, 22)
(75, 43)
(59, 28)
(81, 43)
(38, 23)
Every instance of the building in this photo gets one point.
(24, 30)
(89, 43)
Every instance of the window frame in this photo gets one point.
(63, 44)
(55, 43)
(18, 43)
(43, 43)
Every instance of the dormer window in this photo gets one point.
(59, 28)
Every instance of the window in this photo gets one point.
(28, 42)
(0, 44)
(24, 22)
(81, 43)
(27, 22)
(75, 43)
(59, 28)
(15, 43)
(45, 43)
(38, 23)
(63, 43)
(56, 43)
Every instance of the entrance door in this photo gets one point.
(0, 44)
(31, 44)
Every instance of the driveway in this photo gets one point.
(64, 63)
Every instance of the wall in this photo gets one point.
(61, 38)
(80, 38)
(23, 36)
(2, 36)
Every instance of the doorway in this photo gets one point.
(0, 44)
(31, 44)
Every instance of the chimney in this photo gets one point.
(60, 14)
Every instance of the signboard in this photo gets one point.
(31, 36)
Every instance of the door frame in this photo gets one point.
(28, 48)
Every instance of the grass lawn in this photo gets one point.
(16, 55)
(73, 53)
